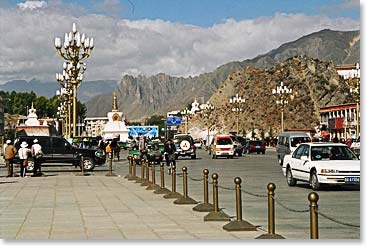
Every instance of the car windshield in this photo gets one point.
(297, 140)
(332, 153)
(178, 139)
(224, 141)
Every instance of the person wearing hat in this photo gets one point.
(23, 156)
(10, 152)
(4, 147)
(37, 154)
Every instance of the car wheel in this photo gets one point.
(88, 164)
(314, 182)
(258, 153)
(290, 180)
(248, 152)
(30, 166)
(193, 157)
(263, 152)
(240, 154)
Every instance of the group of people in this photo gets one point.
(25, 154)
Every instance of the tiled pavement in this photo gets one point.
(98, 207)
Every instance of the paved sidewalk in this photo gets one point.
(98, 207)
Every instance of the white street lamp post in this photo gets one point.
(206, 110)
(237, 101)
(282, 93)
(76, 48)
(355, 91)
(186, 112)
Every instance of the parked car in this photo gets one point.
(59, 150)
(237, 145)
(288, 142)
(322, 163)
(184, 146)
(198, 143)
(253, 146)
(222, 145)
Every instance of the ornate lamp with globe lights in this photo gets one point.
(186, 113)
(282, 93)
(75, 49)
(236, 102)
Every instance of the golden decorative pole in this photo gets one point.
(236, 101)
(75, 49)
(282, 92)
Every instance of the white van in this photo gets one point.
(288, 142)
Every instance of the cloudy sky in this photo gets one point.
(176, 37)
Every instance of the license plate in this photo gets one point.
(225, 153)
(351, 180)
(257, 147)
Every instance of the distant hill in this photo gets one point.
(86, 91)
(143, 96)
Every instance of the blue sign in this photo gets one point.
(149, 131)
(174, 120)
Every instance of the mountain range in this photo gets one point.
(143, 96)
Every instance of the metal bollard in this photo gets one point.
(162, 189)
(153, 185)
(82, 173)
(239, 224)
(147, 181)
(133, 164)
(313, 197)
(205, 206)
(110, 173)
(185, 199)
(130, 168)
(142, 169)
(216, 214)
(271, 215)
(173, 193)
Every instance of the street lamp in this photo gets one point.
(237, 101)
(282, 94)
(75, 49)
(354, 89)
(206, 109)
(186, 113)
(66, 94)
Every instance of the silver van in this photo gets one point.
(288, 142)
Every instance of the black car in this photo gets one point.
(59, 150)
(255, 146)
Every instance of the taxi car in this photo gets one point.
(322, 163)
(222, 145)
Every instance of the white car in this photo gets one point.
(322, 163)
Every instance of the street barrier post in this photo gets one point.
(271, 215)
(216, 214)
(313, 197)
(142, 169)
(185, 199)
(133, 163)
(205, 206)
(173, 193)
(82, 173)
(239, 224)
(162, 189)
(130, 168)
(110, 173)
(153, 185)
(147, 181)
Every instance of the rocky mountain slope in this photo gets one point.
(314, 83)
(143, 96)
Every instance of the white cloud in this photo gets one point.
(142, 46)
(32, 5)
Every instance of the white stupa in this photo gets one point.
(32, 119)
(195, 106)
(115, 127)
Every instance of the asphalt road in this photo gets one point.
(341, 205)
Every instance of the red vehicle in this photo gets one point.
(255, 146)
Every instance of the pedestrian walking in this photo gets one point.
(169, 154)
(24, 153)
(10, 152)
(37, 155)
(142, 146)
